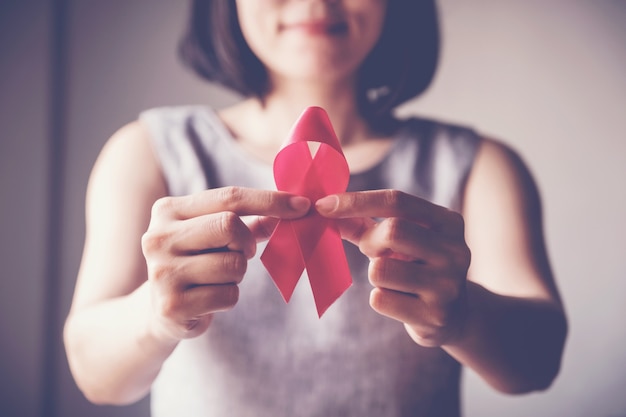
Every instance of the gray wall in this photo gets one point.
(23, 200)
(546, 77)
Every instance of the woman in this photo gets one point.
(170, 251)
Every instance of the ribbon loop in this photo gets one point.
(312, 242)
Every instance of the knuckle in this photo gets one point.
(161, 272)
(229, 223)
(152, 242)
(269, 200)
(352, 200)
(163, 207)
(231, 194)
(236, 264)
(348, 201)
(395, 198)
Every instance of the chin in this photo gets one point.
(317, 69)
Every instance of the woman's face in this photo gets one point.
(311, 40)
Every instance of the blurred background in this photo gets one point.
(547, 77)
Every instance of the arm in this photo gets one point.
(112, 353)
(147, 277)
(502, 317)
(516, 327)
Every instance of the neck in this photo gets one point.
(287, 101)
(268, 122)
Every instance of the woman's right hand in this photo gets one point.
(197, 248)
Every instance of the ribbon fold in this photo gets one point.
(312, 242)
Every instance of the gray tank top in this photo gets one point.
(269, 358)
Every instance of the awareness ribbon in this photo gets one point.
(312, 242)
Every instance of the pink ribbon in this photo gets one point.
(312, 242)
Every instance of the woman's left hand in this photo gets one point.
(418, 259)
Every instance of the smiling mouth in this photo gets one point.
(321, 27)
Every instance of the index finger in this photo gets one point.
(239, 200)
(389, 203)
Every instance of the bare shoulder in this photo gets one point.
(129, 151)
(503, 216)
(500, 175)
(127, 169)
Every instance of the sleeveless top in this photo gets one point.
(269, 358)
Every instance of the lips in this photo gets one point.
(318, 27)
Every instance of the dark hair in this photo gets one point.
(400, 66)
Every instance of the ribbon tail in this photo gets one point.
(328, 270)
(283, 259)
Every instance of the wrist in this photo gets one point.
(471, 317)
(152, 331)
(454, 326)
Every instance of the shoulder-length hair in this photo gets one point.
(400, 67)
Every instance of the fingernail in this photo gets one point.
(327, 204)
(299, 203)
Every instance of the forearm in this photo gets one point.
(515, 344)
(112, 352)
